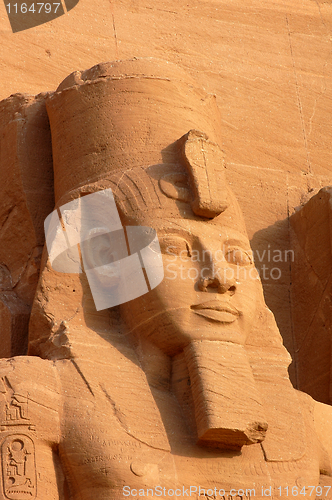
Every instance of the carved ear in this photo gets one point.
(205, 164)
(102, 247)
(176, 185)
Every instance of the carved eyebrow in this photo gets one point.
(177, 236)
(238, 242)
(176, 230)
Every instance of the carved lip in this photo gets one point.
(217, 305)
(217, 311)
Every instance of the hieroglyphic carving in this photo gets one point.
(18, 467)
(14, 407)
(17, 409)
(17, 450)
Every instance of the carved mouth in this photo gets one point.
(217, 311)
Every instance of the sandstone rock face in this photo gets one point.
(184, 387)
(26, 188)
(311, 294)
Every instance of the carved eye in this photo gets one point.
(238, 256)
(174, 246)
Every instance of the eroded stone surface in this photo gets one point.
(311, 292)
(26, 190)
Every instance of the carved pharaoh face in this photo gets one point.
(209, 290)
(210, 286)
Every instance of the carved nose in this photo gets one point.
(228, 285)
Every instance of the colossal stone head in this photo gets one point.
(144, 130)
